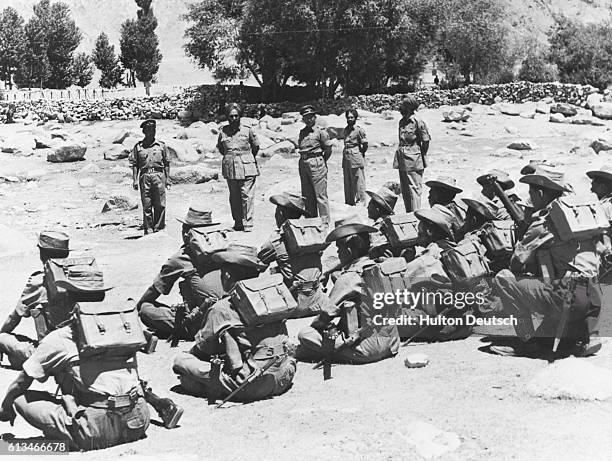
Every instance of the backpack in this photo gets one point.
(466, 261)
(402, 230)
(108, 331)
(263, 300)
(499, 237)
(575, 219)
(387, 276)
(302, 236)
(56, 272)
(202, 243)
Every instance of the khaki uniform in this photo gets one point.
(383, 343)
(606, 202)
(574, 265)
(240, 169)
(92, 424)
(199, 288)
(313, 171)
(151, 163)
(409, 161)
(459, 219)
(301, 274)
(261, 343)
(353, 165)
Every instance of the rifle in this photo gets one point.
(513, 210)
(179, 317)
(356, 337)
(253, 377)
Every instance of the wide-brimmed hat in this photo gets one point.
(546, 177)
(479, 207)
(349, 226)
(445, 182)
(440, 216)
(196, 217)
(240, 255)
(83, 278)
(502, 178)
(385, 199)
(603, 174)
(290, 200)
(53, 240)
(307, 110)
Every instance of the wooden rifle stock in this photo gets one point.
(513, 210)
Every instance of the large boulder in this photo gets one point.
(558, 118)
(192, 174)
(182, 151)
(510, 109)
(602, 110)
(456, 115)
(562, 108)
(67, 152)
(594, 99)
(116, 152)
(123, 135)
(281, 148)
(270, 123)
(119, 203)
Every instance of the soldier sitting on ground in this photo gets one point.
(442, 191)
(234, 350)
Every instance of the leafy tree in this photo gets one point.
(104, 58)
(12, 43)
(34, 67)
(82, 69)
(128, 45)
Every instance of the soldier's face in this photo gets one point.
(309, 120)
(488, 191)
(538, 198)
(149, 131)
(373, 211)
(599, 188)
(344, 252)
(350, 119)
(233, 117)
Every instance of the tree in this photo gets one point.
(12, 43)
(82, 70)
(140, 46)
(104, 58)
(34, 66)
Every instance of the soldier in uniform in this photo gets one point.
(33, 300)
(381, 205)
(564, 276)
(243, 349)
(352, 238)
(302, 273)
(353, 160)
(315, 149)
(151, 172)
(410, 155)
(239, 146)
(488, 192)
(601, 186)
(442, 191)
(200, 288)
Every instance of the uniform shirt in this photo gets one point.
(459, 221)
(606, 202)
(57, 355)
(237, 146)
(154, 156)
(34, 294)
(313, 140)
(411, 133)
(578, 257)
(203, 283)
(354, 137)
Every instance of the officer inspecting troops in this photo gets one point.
(239, 146)
(150, 164)
(353, 160)
(315, 149)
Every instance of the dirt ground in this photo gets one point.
(374, 411)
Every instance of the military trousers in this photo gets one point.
(17, 348)
(411, 183)
(242, 198)
(354, 186)
(160, 319)
(89, 428)
(313, 181)
(153, 197)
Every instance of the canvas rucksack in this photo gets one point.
(202, 243)
(402, 230)
(576, 219)
(57, 273)
(263, 300)
(499, 237)
(303, 236)
(465, 261)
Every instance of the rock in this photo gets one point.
(557, 118)
(287, 121)
(579, 120)
(456, 115)
(87, 182)
(528, 114)
(265, 142)
(34, 175)
(119, 202)
(123, 135)
(573, 379)
(270, 123)
(184, 115)
(60, 134)
(510, 109)
(602, 110)
(91, 168)
(43, 142)
(565, 109)
(281, 148)
(601, 145)
(248, 121)
(191, 174)
(583, 151)
(182, 151)
(523, 144)
(428, 441)
(506, 153)
(205, 146)
(542, 108)
(67, 152)
(594, 99)
(467, 133)
(116, 152)
(416, 360)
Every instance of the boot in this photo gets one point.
(151, 345)
(168, 411)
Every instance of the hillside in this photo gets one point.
(94, 17)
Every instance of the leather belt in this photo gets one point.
(152, 170)
(307, 155)
(109, 402)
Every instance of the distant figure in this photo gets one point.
(353, 160)
(436, 81)
(10, 113)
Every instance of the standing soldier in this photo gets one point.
(410, 155)
(315, 149)
(353, 160)
(239, 146)
(150, 160)
(601, 186)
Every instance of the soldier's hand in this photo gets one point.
(135, 185)
(8, 415)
